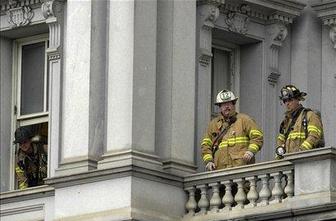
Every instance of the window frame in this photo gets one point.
(17, 119)
(234, 51)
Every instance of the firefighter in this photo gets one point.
(31, 159)
(301, 128)
(232, 139)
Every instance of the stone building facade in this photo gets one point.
(124, 91)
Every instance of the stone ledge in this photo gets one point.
(27, 194)
(112, 173)
(310, 155)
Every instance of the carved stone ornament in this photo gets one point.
(278, 33)
(19, 16)
(238, 21)
(205, 58)
(51, 9)
(332, 35)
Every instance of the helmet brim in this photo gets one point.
(218, 103)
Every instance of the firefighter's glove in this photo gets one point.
(279, 152)
(210, 166)
(248, 156)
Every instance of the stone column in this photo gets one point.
(131, 84)
(327, 13)
(175, 107)
(207, 14)
(306, 57)
(52, 11)
(83, 87)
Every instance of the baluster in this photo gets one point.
(289, 189)
(191, 205)
(215, 201)
(265, 192)
(252, 195)
(227, 198)
(203, 203)
(277, 191)
(240, 196)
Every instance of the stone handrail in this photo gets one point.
(294, 183)
(238, 188)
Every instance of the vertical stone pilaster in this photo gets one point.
(131, 85)
(175, 123)
(52, 11)
(83, 87)
(326, 12)
(207, 14)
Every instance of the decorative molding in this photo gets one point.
(277, 33)
(205, 57)
(19, 15)
(332, 35)
(326, 10)
(273, 77)
(52, 11)
(208, 14)
(239, 20)
(54, 56)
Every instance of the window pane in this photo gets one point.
(32, 78)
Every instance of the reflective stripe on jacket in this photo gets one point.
(242, 135)
(297, 140)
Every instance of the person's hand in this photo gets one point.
(210, 166)
(248, 156)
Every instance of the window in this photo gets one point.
(225, 71)
(30, 103)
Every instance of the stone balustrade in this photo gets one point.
(301, 181)
(238, 188)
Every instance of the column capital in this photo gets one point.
(326, 11)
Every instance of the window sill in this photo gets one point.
(27, 194)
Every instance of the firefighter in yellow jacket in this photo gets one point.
(301, 128)
(232, 139)
(31, 160)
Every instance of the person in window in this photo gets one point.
(301, 128)
(31, 159)
(232, 139)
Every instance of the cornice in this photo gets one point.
(264, 14)
(326, 10)
(6, 5)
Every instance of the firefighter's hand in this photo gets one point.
(248, 156)
(210, 166)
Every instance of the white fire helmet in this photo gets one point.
(225, 96)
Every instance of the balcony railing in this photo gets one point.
(300, 181)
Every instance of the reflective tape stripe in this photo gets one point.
(257, 133)
(18, 170)
(294, 135)
(23, 185)
(234, 140)
(207, 157)
(307, 145)
(223, 144)
(281, 137)
(312, 128)
(206, 142)
(253, 147)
